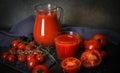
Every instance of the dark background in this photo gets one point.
(90, 13)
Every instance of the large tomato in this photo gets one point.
(92, 45)
(40, 69)
(71, 64)
(91, 58)
(100, 38)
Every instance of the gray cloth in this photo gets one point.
(21, 29)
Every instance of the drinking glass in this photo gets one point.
(67, 44)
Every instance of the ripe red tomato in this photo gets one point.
(92, 45)
(5, 55)
(11, 58)
(30, 56)
(21, 58)
(32, 43)
(40, 58)
(14, 44)
(18, 51)
(28, 47)
(40, 69)
(71, 64)
(10, 51)
(34, 52)
(100, 38)
(21, 46)
(91, 58)
(31, 63)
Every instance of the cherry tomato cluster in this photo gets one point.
(91, 57)
(29, 52)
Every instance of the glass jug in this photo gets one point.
(47, 24)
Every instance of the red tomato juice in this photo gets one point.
(46, 28)
(67, 45)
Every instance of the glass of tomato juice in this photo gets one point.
(67, 44)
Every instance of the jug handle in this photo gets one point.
(61, 13)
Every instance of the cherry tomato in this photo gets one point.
(40, 58)
(71, 64)
(32, 43)
(30, 56)
(36, 52)
(12, 51)
(100, 38)
(18, 51)
(28, 47)
(40, 69)
(5, 55)
(91, 58)
(21, 58)
(26, 51)
(11, 58)
(14, 44)
(21, 46)
(92, 45)
(32, 62)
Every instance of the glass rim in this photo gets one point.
(48, 6)
(67, 32)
